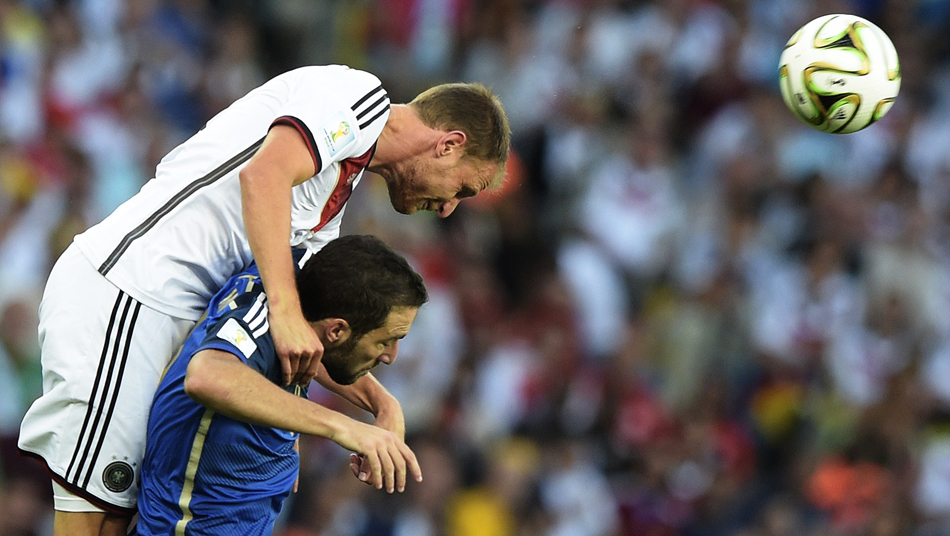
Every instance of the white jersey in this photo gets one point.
(176, 242)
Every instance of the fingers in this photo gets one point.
(300, 370)
(376, 471)
(383, 459)
(400, 483)
(404, 459)
(288, 364)
(361, 468)
(307, 367)
(397, 464)
(390, 466)
(355, 463)
(412, 464)
(298, 348)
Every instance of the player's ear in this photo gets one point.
(451, 142)
(337, 330)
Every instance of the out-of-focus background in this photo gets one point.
(686, 313)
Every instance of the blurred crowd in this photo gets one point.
(684, 314)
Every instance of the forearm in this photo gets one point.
(369, 395)
(219, 381)
(366, 393)
(282, 162)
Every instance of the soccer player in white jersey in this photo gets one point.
(277, 165)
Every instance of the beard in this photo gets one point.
(404, 188)
(399, 203)
(337, 362)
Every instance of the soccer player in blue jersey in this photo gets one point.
(220, 456)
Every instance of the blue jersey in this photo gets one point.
(205, 473)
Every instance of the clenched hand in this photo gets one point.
(298, 347)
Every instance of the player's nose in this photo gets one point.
(389, 356)
(446, 208)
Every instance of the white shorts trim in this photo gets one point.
(64, 501)
(103, 355)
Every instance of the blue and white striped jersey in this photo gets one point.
(205, 473)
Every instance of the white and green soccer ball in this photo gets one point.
(839, 73)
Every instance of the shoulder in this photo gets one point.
(339, 110)
(337, 82)
(246, 303)
(240, 307)
(239, 291)
(359, 93)
(238, 324)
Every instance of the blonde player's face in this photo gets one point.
(348, 361)
(437, 185)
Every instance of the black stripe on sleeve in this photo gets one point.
(371, 107)
(367, 97)
(375, 117)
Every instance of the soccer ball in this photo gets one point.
(839, 73)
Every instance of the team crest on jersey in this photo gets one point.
(118, 476)
(232, 332)
(338, 134)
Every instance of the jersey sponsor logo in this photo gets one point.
(118, 476)
(232, 332)
(338, 134)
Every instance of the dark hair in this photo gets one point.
(360, 279)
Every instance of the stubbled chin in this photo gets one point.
(399, 203)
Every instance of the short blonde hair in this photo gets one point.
(472, 109)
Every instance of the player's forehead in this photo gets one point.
(397, 323)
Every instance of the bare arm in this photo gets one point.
(220, 381)
(282, 162)
(369, 395)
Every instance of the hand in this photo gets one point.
(298, 347)
(382, 460)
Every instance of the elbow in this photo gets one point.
(248, 178)
(200, 381)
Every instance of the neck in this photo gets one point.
(403, 137)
